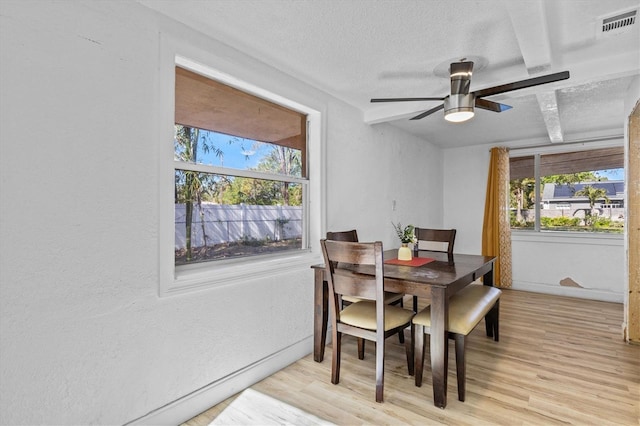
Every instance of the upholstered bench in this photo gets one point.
(466, 309)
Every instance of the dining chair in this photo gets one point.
(438, 240)
(369, 318)
(467, 307)
(389, 298)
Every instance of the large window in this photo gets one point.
(581, 191)
(240, 173)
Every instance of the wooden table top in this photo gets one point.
(440, 272)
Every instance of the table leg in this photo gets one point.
(439, 345)
(321, 314)
(487, 279)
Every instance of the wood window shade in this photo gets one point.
(207, 104)
(521, 167)
(568, 162)
(582, 161)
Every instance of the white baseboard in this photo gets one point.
(196, 402)
(558, 290)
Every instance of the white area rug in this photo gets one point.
(254, 408)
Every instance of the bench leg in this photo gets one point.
(488, 322)
(496, 320)
(492, 321)
(460, 364)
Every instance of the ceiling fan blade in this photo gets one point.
(405, 99)
(530, 82)
(431, 111)
(491, 106)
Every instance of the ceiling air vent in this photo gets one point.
(619, 23)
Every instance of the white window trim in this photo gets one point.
(542, 235)
(568, 237)
(175, 281)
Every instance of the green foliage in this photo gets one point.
(593, 194)
(405, 234)
(282, 160)
(570, 178)
(517, 223)
(191, 187)
(261, 192)
(559, 222)
(588, 224)
(258, 192)
(606, 224)
(522, 194)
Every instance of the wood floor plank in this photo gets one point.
(559, 361)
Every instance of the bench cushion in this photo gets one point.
(466, 308)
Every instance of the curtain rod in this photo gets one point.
(576, 142)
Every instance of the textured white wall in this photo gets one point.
(369, 167)
(85, 339)
(465, 183)
(595, 264)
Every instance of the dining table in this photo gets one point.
(430, 275)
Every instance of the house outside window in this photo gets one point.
(580, 191)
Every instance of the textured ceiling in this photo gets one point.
(359, 49)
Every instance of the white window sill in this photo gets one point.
(566, 237)
(189, 278)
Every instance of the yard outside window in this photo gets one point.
(581, 191)
(240, 173)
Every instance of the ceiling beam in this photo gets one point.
(530, 26)
(549, 107)
(529, 21)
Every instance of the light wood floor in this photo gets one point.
(559, 361)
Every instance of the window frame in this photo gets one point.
(537, 152)
(195, 277)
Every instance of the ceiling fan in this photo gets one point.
(459, 105)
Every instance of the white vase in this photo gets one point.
(404, 252)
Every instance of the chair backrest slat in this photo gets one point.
(440, 240)
(353, 284)
(351, 235)
(345, 259)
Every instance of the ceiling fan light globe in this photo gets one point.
(458, 116)
(459, 108)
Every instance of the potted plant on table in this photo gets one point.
(406, 236)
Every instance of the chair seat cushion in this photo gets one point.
(466, 308)
(363, 314)
(388, 298)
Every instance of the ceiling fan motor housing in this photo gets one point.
(460, 75)
(458, 106)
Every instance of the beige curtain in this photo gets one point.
(496, 231)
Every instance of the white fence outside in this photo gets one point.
(224, 223)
